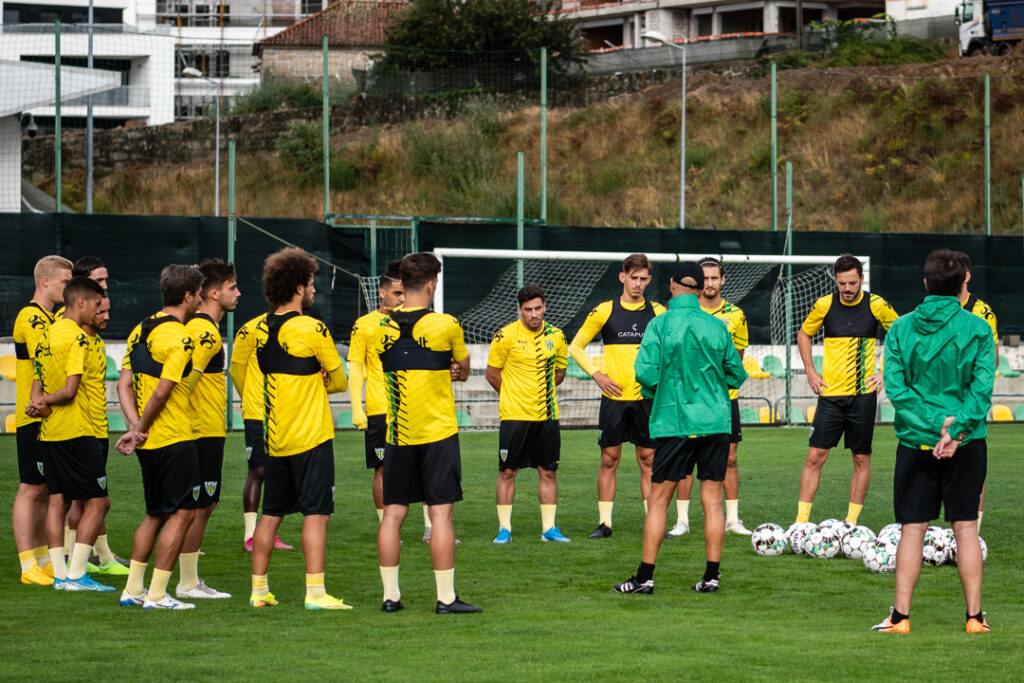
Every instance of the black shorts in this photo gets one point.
(624, 421)
(375, 440)
(75, 468)
(170, 477)
(428, 473)
(303, 482)
(104, 445)
(31, 469)
(737, 428)
(255, 448)
(675, 458)
(210, 450)
(529, 444)
(852, 416)
(921, 483)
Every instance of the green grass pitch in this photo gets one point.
(550, 611)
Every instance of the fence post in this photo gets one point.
(789, 290)
(56, 131)
(775, 153)
(415, 241)
(519, 218)
(544, 135)
(327, 135)
(988, 157)
(229, 337)
(373, 246)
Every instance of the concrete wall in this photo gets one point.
(306, 63)
(10, 164)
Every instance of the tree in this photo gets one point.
(430, 34)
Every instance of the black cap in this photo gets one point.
(689, 270)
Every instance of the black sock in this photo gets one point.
(897, 617)
(645, 572)
(711, 571)
(980, 616)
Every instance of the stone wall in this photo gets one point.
(307, 63)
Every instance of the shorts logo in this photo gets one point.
(211, 487)
(248, 453)
(102, 481)
(39, 466)
(379, 452)
(503, 454)
(332, 494)
(195, 492)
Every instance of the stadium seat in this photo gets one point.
(888, 413)
(1004, 368)
(796, 416)
(344, 419)
(463, 418)
(9, 423)
(8, 367)
(753, 368)
(819, 363)
(764, 415)
(574, 370)
(236, 421)
(116, 423)
(113, 373)
(748, 416)
(774, 366)
(1001, 413)
(1018, 412)
(810, 413)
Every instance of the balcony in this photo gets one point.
(124, 96)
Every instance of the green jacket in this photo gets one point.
(939, 361)
(688, 363)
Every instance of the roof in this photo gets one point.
(347, 23)
(33, 84)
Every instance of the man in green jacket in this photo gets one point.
(688, 363)
(939, 371)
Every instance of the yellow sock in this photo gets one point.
(803, 511)
(250, 524)
(27, 559)
(41, 555)
(853, 512)
(72, 538)
(260, 587)
(445, 580)
(60, 570)
(380, 515)
(158, 584)
(547, 516)
(79, 556)
(604, 512)
(103, 552)
(505, 517)
(188, 569)
(315, 586)
(683, 511)
(426, 516)
(981, 513)
(67, 530)
(389, 578)
(136, 577)
(732, 511)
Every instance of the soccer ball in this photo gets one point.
(936, 549)
(889, 528)
(797, 534)
(855, 542)
(768, 540)
(880, 556)
(952, 547)
(821, 545)
(837, 530)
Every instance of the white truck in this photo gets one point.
(989, 27)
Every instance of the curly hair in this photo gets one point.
(284, 272)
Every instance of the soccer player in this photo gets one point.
(154, 394)
(624, 412)
(688, 362)
(421, 352)
(973, 304)
(939, 374)
(711, 301)
(67, 379)
(527, 360)
(847, 389)
(28, 518)
(219, 294)
(364, 364)
(300, 367)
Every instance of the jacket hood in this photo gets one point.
(934, 313)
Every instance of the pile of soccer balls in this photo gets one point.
(834, 537)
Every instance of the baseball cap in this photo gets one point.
(689, 269)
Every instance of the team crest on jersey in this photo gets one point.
(39, 466)
(195, 492)
(102, 481)
(379, 452)
(503, 454)
(211, 487)
(549, 345)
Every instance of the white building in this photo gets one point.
(901, 10)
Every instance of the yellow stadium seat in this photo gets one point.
(764, 415)
(810, 413)
(8, 367)
(9, 424)
(1001, 413)
(753, 368)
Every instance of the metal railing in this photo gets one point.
(124, 96)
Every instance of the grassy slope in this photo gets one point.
(550, 611)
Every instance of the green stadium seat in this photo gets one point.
(748, 416)
(796, 416)
(773, 366)
(237, 421)
(463, 418)
(574, 370)
(1004, 368)
(344, 419)
(888, 413)
(9, 367)
(819, 363)
(1018, 412)
(116, 423)
(113, 372)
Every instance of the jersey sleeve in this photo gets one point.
(988, 315)
(658, 308)
(207, 344)
(591, 328)
(74, 362)
(561, 351)
(883, 312)
(740, 333)
(322, 345)
(31, 330)
(245, 339)
(456, 340)
(357, 343)
(133, 339)
(816, 318)
(499, 349)
(180, 348)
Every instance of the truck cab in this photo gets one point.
(990, 27)
(971, 27)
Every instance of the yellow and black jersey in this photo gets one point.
(249, 336)
(296, 414)
(736, 322)
(94, 381)
(30, 324)
(621, 326)
(63, 352)
(160, 347)
(208, 400)
(984, 311)
(416, 348)
(850, 331)
(360, 350)
(528, 361)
